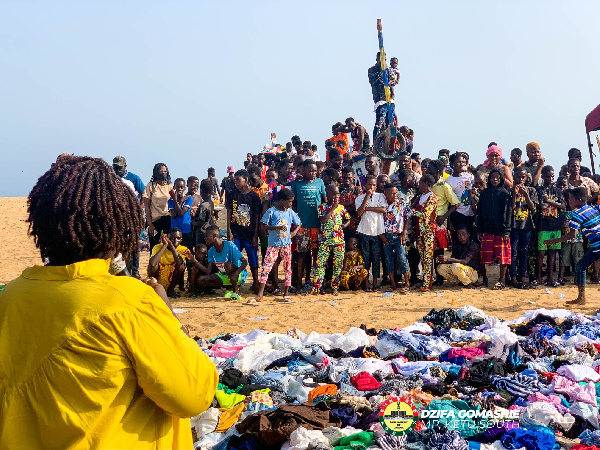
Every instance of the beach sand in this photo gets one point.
(210, 316)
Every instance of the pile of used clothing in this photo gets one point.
(296, 391)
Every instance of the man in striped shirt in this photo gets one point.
(587, 219)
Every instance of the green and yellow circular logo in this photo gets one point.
(398, 416)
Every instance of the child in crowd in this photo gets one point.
(193, 184)
(167, 261)
(204, 214)
(424, 208)
(179, 208)
(278, 221)
(382, 181)
(214, 182)
(229, 261)
(348, 194)
(550, 224)
(309, 194)
(494, 223)
(330, 176)
(463, 265)
(479, 184)
(334, 219)
(336, 160)
(243, 214)
(394, 238)
(571, 250)
(586, 218)
(256, 183)
(447, 204)
(370, 207)
(320, 168)
(199, 267)
(534, 162)
(461, 182)
(524, 199)
(371, 168)
(515, 158)
(353, 268)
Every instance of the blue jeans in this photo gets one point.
(580, 268)
(369, 247)
(395, 248)
(519, 245)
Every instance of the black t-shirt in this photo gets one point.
(245, 211)
(522, 218)
(228, 185)
(549, 217)
(468, 252)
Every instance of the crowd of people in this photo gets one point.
(431, 221)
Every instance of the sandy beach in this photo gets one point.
(209, 316)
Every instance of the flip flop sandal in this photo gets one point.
(251, 302)
(286, 299)
(498, 286)
(276, 292)
(235, 297)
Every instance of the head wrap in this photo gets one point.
(492, 149)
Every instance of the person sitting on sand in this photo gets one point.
(278, 221)
(199, 267)
(230, 262)
(353, 268)
(463, 264)
(586, 218)
(108, 364)
(167, 262)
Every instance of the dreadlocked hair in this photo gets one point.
(80, 209)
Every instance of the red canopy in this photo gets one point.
(592, 121)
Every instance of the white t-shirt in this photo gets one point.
(130, 185)
(461, 185)
(315, 157)
(371, 223)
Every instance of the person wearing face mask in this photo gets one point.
(156, 197)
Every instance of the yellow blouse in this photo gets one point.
(91, 360)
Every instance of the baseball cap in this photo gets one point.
(119, 161)
(230, 169)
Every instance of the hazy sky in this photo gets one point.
(198, 84)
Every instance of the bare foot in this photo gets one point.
(468, 286)
(577, 301)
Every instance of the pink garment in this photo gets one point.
(466, 352)
(539, 397)
(492, 149)
(584, 393)
(219, 350)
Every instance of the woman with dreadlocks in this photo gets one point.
(88, 359)
(156, 197)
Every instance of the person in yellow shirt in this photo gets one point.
(88, 359)
(167, 262)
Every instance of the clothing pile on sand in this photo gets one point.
(314, 391)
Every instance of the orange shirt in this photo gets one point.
(339, 137)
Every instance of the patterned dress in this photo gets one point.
(425, 226)
(331, 240)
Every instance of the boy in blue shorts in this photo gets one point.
(586, 218)
(230, 262)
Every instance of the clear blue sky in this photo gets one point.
(199, 84)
